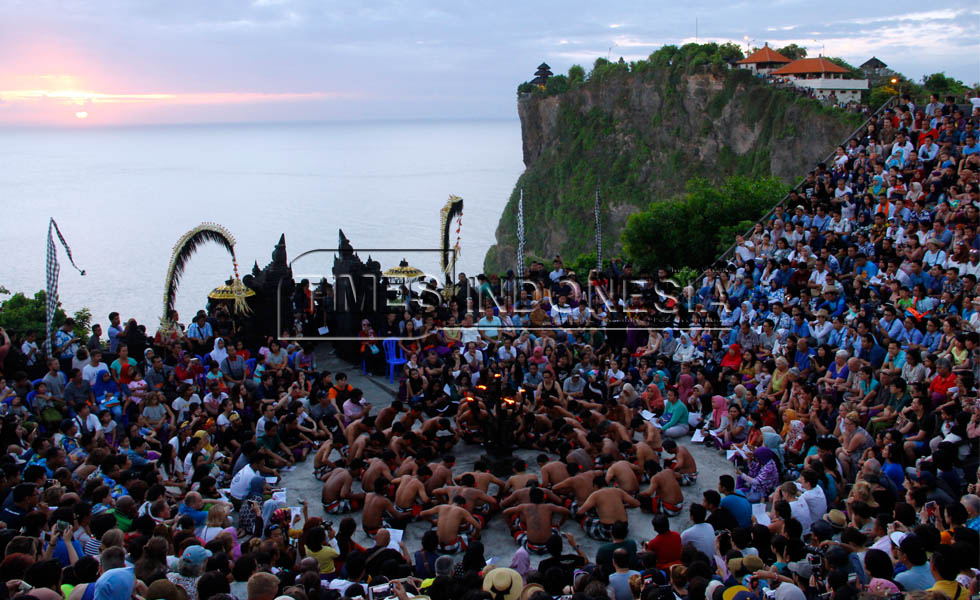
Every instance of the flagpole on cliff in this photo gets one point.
(520, 236)
(598, 232)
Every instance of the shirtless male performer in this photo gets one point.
(479, 504)
(577, 486)
(664, 493)
(483, 477)
(679, 460)
(622, 474)
(602, 508)
(449, 519)
(552, 471)
(534, 522)
(336, 495)
(379, 510)
(520, 477)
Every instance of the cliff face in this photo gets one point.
(640, 136)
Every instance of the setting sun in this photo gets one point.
(81, 115)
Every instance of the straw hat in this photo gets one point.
(503, 584)
(836, 518)
(530, 590)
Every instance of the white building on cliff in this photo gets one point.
(823, 78)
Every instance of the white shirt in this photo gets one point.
(180, 405)
(746, 251)
(801, 512)
(816, 501)
(505, 353)
(26, 348)
(91, 372)
(702, 536)
(241, 481)
(470, 334)
(91, 422)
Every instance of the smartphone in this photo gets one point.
(379, 592)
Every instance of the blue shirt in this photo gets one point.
(61, 552)
(893, 330)
(198, 332)
(801, 330)
(802, 359)
(916, 578)
(740, 507)
(200, 517)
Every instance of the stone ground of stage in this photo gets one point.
(300, 483)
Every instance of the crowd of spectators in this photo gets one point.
(834, 361)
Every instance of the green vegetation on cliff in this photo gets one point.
(692, 229)
(639, 132)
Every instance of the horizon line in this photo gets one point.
(298, 122)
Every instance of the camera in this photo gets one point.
(816, 561)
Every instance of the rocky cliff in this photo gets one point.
(640, 133)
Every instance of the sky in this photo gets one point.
(110, 62)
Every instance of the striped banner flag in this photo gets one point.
(520, 236)
(598, 233)
(53, 269)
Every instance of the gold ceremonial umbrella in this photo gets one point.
(226, 292)
(403, 271)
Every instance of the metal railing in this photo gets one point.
(727, 254)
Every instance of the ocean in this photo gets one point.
(123, 196)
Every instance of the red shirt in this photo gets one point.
(941, 385)
(668, 548)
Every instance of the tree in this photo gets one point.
(840, 62)
(557, 85)
(941, 85)
(576, 74)
(20, 314)
(793, 52)
(730, 52)
(691, 229)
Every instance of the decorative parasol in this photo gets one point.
(185, 248)
(226, 292)
(403, 271)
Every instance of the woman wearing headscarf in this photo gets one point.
(771, 440)
(686, 351)
(719, 414)
(732, 358)
(653, 395)
(253, 514)
(762, 478)
(219, 352)
(669, 344)
(107, 394)
(915, 193)
(747, 313)
(685, 387)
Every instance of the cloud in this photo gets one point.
(379, 59)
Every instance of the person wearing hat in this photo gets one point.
(741, 568)
(115, 584)
(821, 327)
(189, 569)
(574, 386)
(503, 584)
